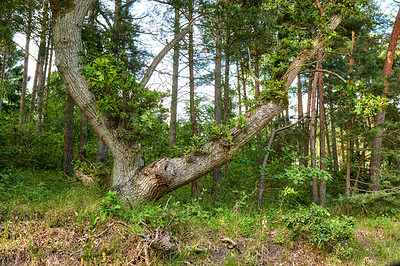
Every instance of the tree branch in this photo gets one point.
(325, 71)
(166, 49)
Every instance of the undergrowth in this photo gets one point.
(48, 219)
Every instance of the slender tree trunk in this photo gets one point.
(102, 152)
(334, 142)
(129, 176)
(194, 188)
(25, 75)
(34, 90)
(256, 69)
(83, 137)
(68, 154)
(46, 98)
(313, 134)
(2, 75)
(218, 93)
(322, 166)
(375, 165)
(41, 79)
(244, 86)
(174, 92)
(299, 116)
(238, 88)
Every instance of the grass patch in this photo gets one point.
(46, 219)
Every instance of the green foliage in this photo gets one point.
(319, 226)
(132, 110)
(110, 204)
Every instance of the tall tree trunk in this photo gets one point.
(34, 90)
(38, 82)
(174, 92)
(375, 165)
(322, 166)
(68, 154)
(256, 69)
(334, 142)
(313, 122)
(3, 73)
(42, 76)
(238, 88)
(46, 98)
(244, 86)
(194, 188)
(25, 75)
(129, 176)
(218, 92)
(299, 116)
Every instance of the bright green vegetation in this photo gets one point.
(46, 218)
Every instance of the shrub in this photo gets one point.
(319, 226)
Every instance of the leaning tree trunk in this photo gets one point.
(380, 117)
(129, 176)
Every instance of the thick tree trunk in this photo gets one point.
(322, 166)
(174, 92)
(25, 75)
(129, 177)
(68, 154)
(375, 165)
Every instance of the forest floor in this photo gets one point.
(59, 222)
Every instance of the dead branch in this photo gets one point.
(231, 243)
(323, 70)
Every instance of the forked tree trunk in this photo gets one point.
(129, 176)
(380, 117)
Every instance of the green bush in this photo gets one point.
(319, 226)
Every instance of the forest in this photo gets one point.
(198, 132)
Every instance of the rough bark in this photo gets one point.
(102, 153)
(174, 91)
(25, 75)
(129, 177)
(375, 165)
(68, 154)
